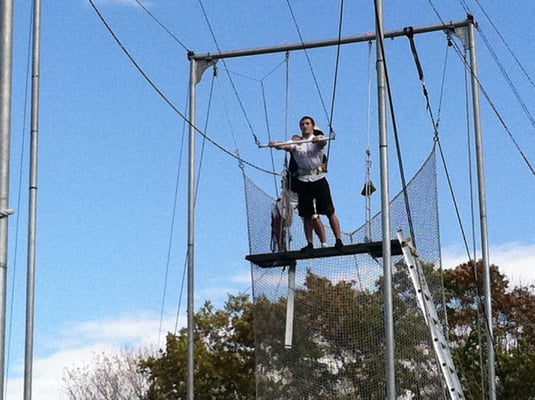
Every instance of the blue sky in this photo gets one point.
(112, 151)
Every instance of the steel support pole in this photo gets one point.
(32, 204)
(390, 373)
(482, 212)
(191, 229)
(6, 56)
(197, 68)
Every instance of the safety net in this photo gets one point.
(337, 348)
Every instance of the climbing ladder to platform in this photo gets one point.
(425, 302)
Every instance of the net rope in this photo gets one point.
(338, 344)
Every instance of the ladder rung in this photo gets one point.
(426, 303)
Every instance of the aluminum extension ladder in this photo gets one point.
(425, 302)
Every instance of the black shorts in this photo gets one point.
(318, 191)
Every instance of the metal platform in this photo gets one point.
(288, 258)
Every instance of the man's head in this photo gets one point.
(307, 125)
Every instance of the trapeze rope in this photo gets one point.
(165, 98)
(506, 45)
(328, 117)
(485, 94)
(369, 188)
(268, 133)
(173, 218)
(139, 3)
(287, 97)
(436, 136)
(337, 63)
(434, 122)
(170, 241)
(308, 60)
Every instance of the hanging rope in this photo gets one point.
(308, 60)
(495, 110)
(287, 96)
(173, 214)
(18, 206)
(271, 153)
(522, 68)
(484, 92)
(261, 82)
(269, 135)
(332, 134)
(410, 35)
(437, 141)
(165, 98)
(473, 221)
(368, 188)
(203, 144)
(170, 241)
(238, 98)
(139, 3)
(436, 137)
(287, 107)
(443, 82)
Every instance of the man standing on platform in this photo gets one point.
(314, 194)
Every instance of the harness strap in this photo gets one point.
(315, 171)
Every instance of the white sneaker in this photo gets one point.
(324, 245)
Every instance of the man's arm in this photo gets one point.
(320, 140)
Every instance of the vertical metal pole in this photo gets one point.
(385, 208)
(288, 338)
(482, 212)
(32, 204)
(6, 55)
(191, 228)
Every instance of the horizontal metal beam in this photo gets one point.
(449, 26)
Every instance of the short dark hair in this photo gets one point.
(307, 117)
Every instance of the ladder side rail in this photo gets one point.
(427, 306)
(431, 317)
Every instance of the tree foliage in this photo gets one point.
(513, 316)
(224, 356)
(329, 360)
(326, 356)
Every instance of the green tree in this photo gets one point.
(513, 316)
(325, 357)
(338, 343)
(338, 348)
(224, 356)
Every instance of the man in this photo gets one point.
(314, 195)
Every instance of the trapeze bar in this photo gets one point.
(289, 258)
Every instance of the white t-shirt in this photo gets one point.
(308, 157)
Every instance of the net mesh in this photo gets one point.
(338, 345)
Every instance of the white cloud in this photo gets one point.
(243, 277)
(91, 338)
(515, 260)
